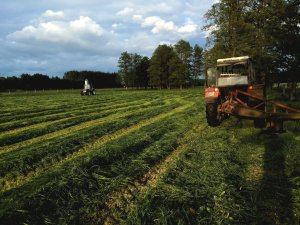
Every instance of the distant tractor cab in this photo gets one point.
(88, 89)
(232, 89)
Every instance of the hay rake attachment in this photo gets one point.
(274, 113)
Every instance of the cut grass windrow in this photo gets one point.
(119, 203)
(89, 147)
(66, 112)
(127, 152)
(42, 155)
(28, 128)
(20, 134)
(210, 183)
(75, 128)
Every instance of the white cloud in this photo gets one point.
(125, 12)
(50, 13)
(137, 18)
(160, 25)
(116, 25)
(78, 31)
(189, 28)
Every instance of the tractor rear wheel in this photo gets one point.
(212, 114)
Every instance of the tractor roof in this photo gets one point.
(233, 60)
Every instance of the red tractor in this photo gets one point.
(232, 88)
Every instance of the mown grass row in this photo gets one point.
(232, 174)
(49, 136)
(39, 156)
(17, 104)
(21, 134)
(98, 172)
(80, 108)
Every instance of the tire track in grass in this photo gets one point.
(68, 130)
(20, 180)
(123, 200)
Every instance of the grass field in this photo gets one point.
(141, 157)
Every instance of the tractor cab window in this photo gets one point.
(234, 69)
(211, 77)
(241, 69)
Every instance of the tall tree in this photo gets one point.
(159, 69)
(142, 72)
(196, 63)
(184, 52)
(125, 68)
(284, 28)
(129, 64)
(177, 71)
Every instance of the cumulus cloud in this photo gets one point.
(125, 12)
(78, 31)
(160, 25)
(50, 13)
(137, 18)
(189, 28)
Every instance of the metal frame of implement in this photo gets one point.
(237, 107)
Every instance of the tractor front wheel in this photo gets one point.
(212, 115)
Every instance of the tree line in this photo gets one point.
(268, 31)
(70, 80)
(170, 66)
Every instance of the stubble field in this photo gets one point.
(140, 157)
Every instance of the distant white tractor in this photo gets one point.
(88, 89)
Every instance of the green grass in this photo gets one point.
(140, 157)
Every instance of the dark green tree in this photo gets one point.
(184, 52)
(135, 64)
(196, 63)
(177, 71)
(129, 65)
(283, 26)
(159, 69)
(142, 72)
(125, 68)
(230, 33)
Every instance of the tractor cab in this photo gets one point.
(229, 75)
(236, 71)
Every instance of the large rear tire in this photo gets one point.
(212, 114)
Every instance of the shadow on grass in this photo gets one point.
(274, 202)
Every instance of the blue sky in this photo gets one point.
(54, 36)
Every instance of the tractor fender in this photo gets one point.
(211, 100)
